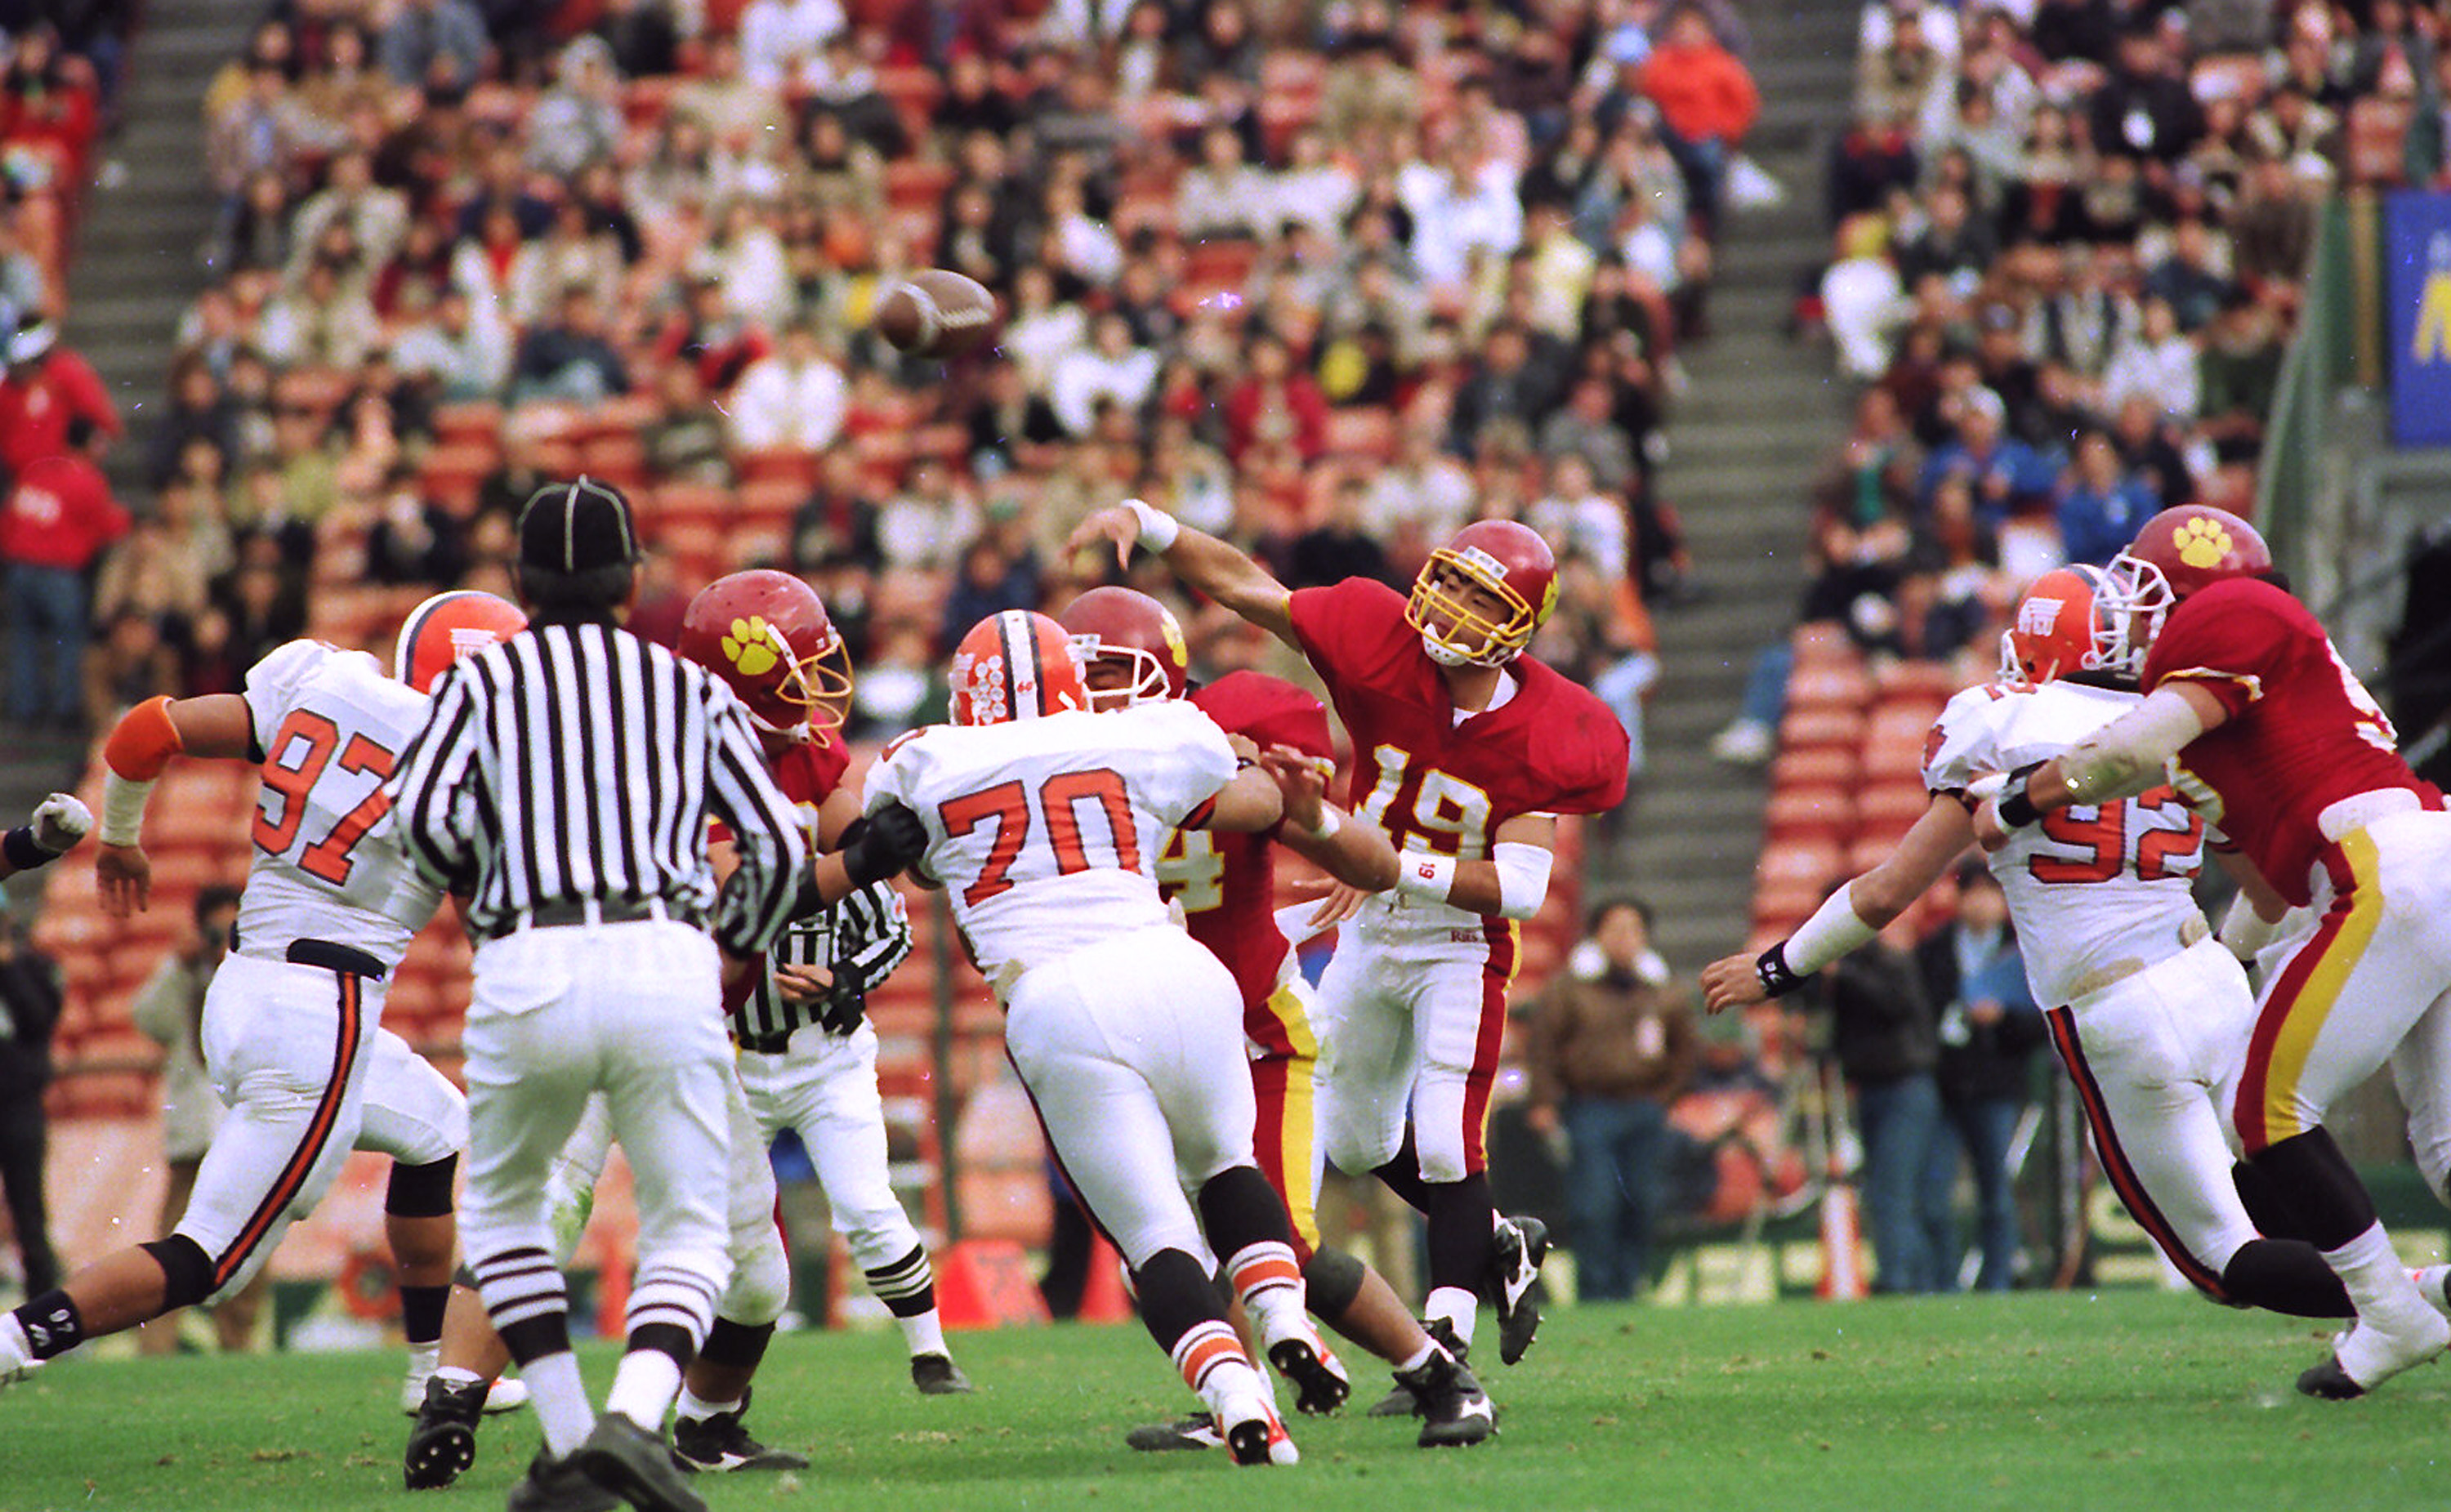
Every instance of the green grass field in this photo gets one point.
(2121, 1399)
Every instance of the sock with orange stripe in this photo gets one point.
(1270, 1284)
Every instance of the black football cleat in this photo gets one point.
(1198, 1431)
(559, 1486)
(635, 1466)
(1519, 1246)
(2329, 1381)
(1320, 1385)
(719, 1442)
(1454, 1410)
(443, 1443)
(1403, 1401)
(935, 1375)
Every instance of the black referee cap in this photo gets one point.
(578, 527)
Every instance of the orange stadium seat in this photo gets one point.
(1828, 684)
(1804, 729)
(1809, 813)
(1366, 431)
(1798, 866)
(1824, 766)
(1821, 642)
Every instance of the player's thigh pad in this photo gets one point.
(761, 1273)
(413, 1113)
(2343, 1001)
(1367, 1055)
(2420, 1073)
(1101, 1117)
(2157, 1124)
(289, 1047)
(1460, 1023)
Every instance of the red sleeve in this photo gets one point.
(1588, 760)
(2230, 640)
(1346, 628)
(1269, 710)
(86, 394)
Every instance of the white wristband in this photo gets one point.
(123, 809)
(1424, 876)
(1329, 822)
(1158, 529)
(1833, 929)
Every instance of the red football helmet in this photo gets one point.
(767, 636)
(2178, 552)
(1016, 665)
(1508, 560)
(1118, 624)
(446, 627)
(2059, 628)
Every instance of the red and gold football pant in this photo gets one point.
(2374, 973)
(1283, 1082)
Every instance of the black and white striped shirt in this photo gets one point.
(860, 939)
(573, 762)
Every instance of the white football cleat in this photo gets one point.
(1254, 1433)
(2367, 1355)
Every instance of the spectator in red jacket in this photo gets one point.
(1707, 102)
(1277, 408)
(45, 387)
(58, 516)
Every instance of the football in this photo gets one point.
(937, 313)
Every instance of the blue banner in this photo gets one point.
(2416, 283)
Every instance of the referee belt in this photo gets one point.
(566, 912)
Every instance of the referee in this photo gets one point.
(562, 785)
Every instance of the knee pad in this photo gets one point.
(760, 1286)
(421, 1191)
(1333, 1279)
(186, 1270)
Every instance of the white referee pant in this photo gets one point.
(635, 1010)
(824, 1086)
(1132, 1050)
(2155, 1057)
(760, 1288)
(296, 1054)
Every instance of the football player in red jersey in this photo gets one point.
(2264, 729)
(1133, 651)
(1466, 751)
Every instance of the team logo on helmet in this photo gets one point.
(2036, 616)
(2201, 542)
(750, 646)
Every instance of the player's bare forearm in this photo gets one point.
(215, 725)
(1248, 803)
(1908, 872)
(1199, 560)
(1354, 854)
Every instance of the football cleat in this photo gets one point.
(719, 1442)
(560, 1486)
(1318, 1380)
(1198, 1431)
(935, 1375)
(2366, 1356)
(443, 1443)
(1520, 1245)
(1454, 1410)
(635, 1466)
(1404, 1401)
(1254, 1433)
(507, 1394)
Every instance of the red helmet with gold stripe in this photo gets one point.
(1512, 564)
(767, 635)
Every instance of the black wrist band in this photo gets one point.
(2017, 807)
(1777, 977)
(23, 850)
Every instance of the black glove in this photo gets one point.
(845, 1006)
(891, 838)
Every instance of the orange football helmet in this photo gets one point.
(1512, 562)
(1118, 624)
(446, 627)
(1016, 665)
(2059, 627)
(767, 635)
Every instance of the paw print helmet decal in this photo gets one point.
(767, 635)
(2178, 552)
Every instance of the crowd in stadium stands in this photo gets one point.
(1331, 287)
(2068, 241)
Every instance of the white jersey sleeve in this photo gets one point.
(2096, 890)
(329, 863)
(273, 684)
(1046, 831)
